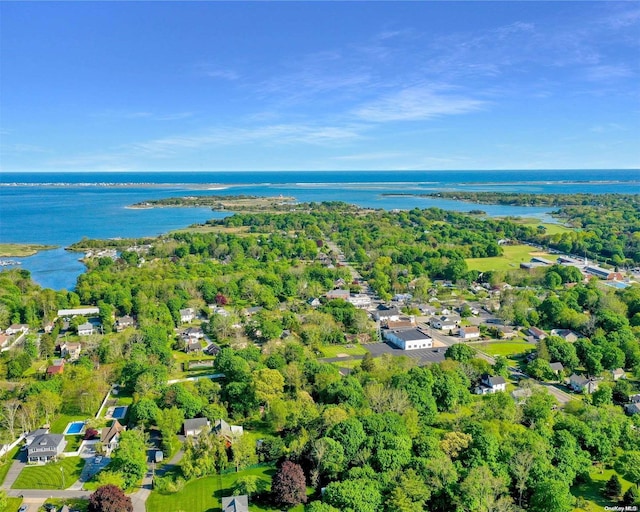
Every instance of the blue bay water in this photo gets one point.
(62, 208)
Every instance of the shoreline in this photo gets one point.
(23, 250)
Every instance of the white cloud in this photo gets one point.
(417, 103)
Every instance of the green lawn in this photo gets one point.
(73, 443)
(49, 476)
(511, 258)
(204, 494)
(13, 504)
(504, 348)
(335, 350)
(61, 422)
(592, 491)
(4, 468)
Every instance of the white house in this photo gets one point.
(470, 332)
(124, 322)
(110, 437)
(408, 339)
(70, 351)
(45, 447)
(489, 384)
(360, 300)
(445, 323)
(579, 383)
(194, 426)
(386, 314)
(85, 329)
(187, 315)
(17, 328)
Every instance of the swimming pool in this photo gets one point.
(617, 284)
(119, 412)
(75, 427)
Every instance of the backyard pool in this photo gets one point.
(119, 412)
(75, 427)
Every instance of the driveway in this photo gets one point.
(18, 465)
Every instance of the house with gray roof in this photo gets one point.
(45, 447)
(235, 503)
(490, 384)
(194, 426)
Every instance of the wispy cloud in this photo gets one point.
(225, 74)
(417, 103)
(268, 135)
(607, 72)
(142, 114)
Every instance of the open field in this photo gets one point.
(205, 494)
(19, 250)
(50, 476)
(504, 348)
(342, 350)
(511, 258)
(593, 491)
(550, 228)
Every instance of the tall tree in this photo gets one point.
(288, 486)
(109, 498)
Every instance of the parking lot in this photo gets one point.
(423, 355)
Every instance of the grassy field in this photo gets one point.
(19, 250)
(334, 350)
(504, 348)
(49, 476)
(592, 491)
(204, 494)
(61, 422)
(4, 468)
(511, 258)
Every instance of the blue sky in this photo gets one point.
(193, 86)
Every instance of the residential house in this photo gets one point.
(427, 310)
(187, 315)
(85, 329)
(445, 323)
(536, 334)
(490, 384)
(235, 503)
(631, 409)
(338, 294)
(228, 432)
(402, 297)
(70, 351)
(194, 426)
(212, 349)
(57, 368)
(634, 399)
(469, 332)
(618, 374)
(248, 312)
(579, 383)
(360, 300)
(408, 339)
(124, 322)
(385, 314)
(17, 329)
(314, 302)
(30, 436)
(557, 368)
(506, 332)
(110, 437)
(4, 339)
(192, 345)
(565, 334)
(45, 447)
(193, 333)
